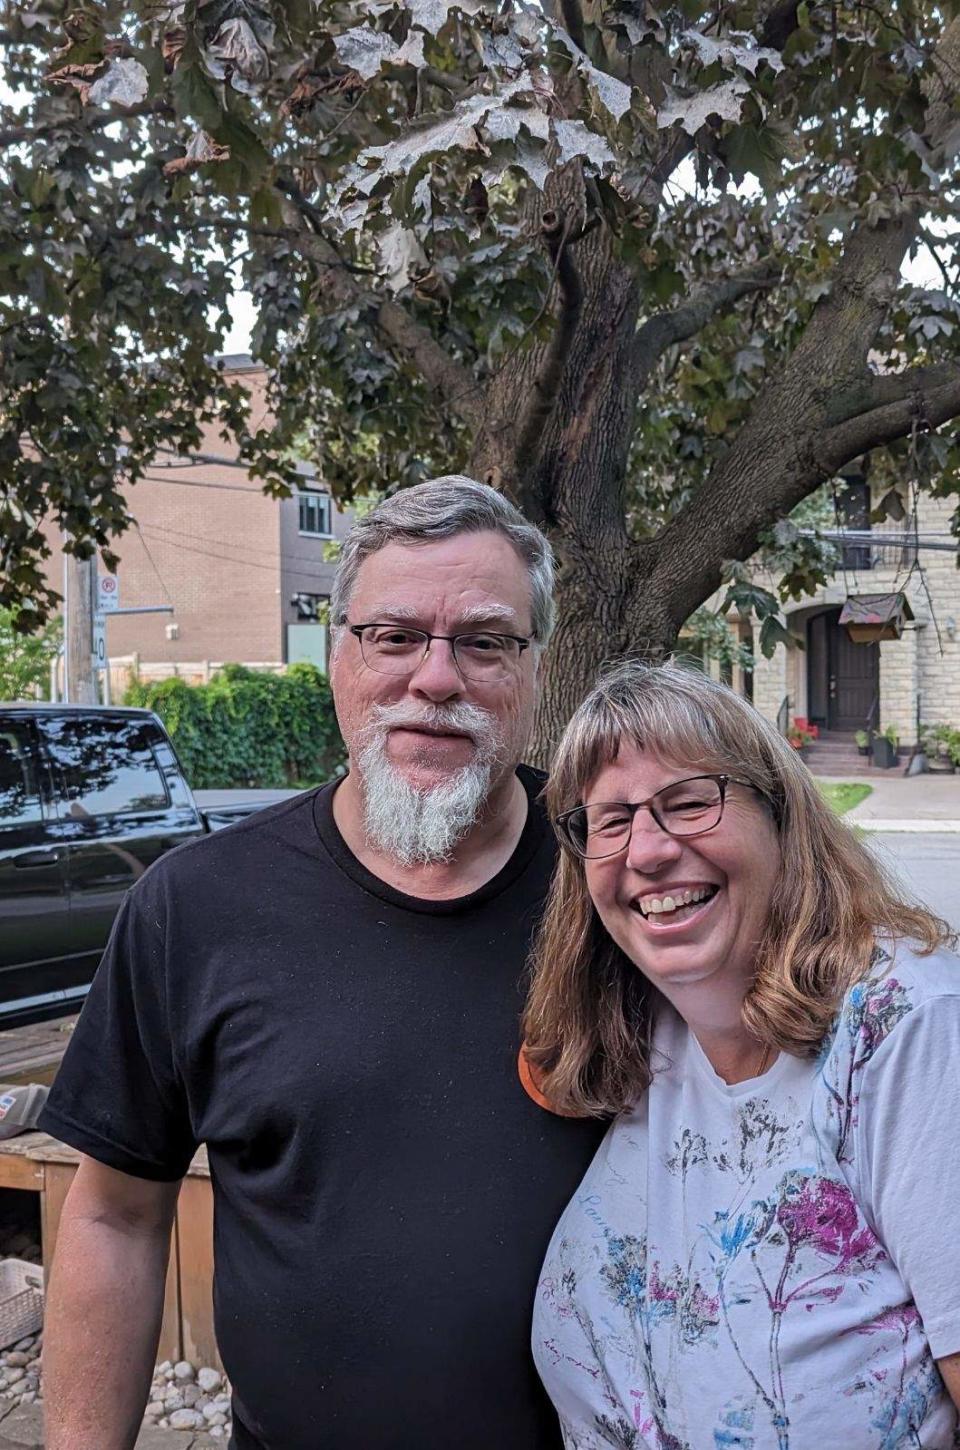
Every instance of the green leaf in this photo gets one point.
(194, 95)
(772, 633)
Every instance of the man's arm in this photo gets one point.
(950, 1369)
(104, 1307)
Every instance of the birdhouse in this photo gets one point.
(873, 617)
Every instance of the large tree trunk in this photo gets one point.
(570, 477)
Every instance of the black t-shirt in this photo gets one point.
(384, 1188)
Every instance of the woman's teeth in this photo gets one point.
(661, 905)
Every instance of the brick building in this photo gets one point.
(245, 574)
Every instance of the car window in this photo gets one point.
(19, 795)
(106, 766)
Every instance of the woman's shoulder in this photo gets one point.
(900, 980)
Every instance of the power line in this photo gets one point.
(246, 548)
(160, 578)
(201, 483)
(219, 460)
(224, 558)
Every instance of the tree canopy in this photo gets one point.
(638, 264)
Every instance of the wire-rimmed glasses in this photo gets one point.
(689, 807)
(481, 656)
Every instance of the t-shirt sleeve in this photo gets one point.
(118, 1096)
(908, 1149)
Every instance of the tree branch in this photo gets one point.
(451, 383)
(542, 400)
(933, 247)
(778, 21)
(875, 391)
(573, 20)
(665, 329)
(448, 379)
(15, 135)
(930, 394)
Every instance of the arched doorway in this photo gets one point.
(843, 678)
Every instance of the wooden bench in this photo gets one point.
(33, 1053)
(38, 1163)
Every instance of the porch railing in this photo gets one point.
(783, 715)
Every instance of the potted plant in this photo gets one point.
(885, 744)
(798, 737)
(862, 737)
(953, 748)
(935, 742)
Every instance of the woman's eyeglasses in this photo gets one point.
(688, 807)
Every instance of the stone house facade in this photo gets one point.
(907, 683)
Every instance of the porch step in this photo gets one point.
(833, 758)
(835, 753)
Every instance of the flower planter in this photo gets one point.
(884, 754)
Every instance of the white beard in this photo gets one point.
(419, 827)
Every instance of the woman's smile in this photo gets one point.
(675, 906)
(685, 908)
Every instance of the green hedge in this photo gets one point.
(249, 727)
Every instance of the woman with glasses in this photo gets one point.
(764, 1252)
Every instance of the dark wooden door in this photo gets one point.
(853, 678)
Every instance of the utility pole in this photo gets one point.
(79, 576)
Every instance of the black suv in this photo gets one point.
(89, 797)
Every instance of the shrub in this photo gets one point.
(249, 728)
(942, 742)
(25, 658)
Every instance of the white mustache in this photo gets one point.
(461, 718)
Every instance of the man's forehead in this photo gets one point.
(475, 576)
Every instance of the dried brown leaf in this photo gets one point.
(202, 151)
(172, 45)
(302, 97)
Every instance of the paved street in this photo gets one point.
(928, 865)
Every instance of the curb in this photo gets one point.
(916, 827)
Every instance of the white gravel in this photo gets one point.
(182, 1396)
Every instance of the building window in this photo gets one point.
(315, 515)
(853, 511)
(311, 607)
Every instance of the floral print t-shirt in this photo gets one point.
(773, 1265)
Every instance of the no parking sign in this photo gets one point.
(108, 593)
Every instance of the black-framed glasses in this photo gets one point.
(482, 657)
(688, 807)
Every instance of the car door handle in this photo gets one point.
(37, 858)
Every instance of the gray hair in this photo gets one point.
(438, 509)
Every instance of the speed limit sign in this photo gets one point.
(100, 660)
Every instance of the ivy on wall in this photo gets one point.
(249, 728)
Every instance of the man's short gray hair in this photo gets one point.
(438, 509)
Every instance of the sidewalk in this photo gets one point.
(909, 803)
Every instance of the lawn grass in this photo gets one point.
(843, 795)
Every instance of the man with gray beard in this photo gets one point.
(328, 995)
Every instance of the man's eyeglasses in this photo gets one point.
(481, 657)
(688, 807)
